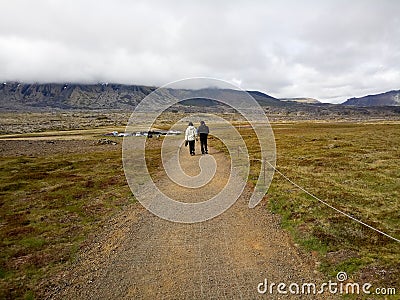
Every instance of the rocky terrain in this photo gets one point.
(28, 122)
(302, 100)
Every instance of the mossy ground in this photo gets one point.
(50, 204)
(355, 168)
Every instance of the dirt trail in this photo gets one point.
(140, 256)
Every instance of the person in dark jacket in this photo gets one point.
(203, 132)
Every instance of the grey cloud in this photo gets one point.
(329, 50)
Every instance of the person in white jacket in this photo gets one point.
(190, 137)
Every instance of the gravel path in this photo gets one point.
(140, 256)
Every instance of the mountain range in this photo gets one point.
(107, 96)
(25, 96)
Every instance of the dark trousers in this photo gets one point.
(203, 143)
(191, 147)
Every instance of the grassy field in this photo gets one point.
(355, 168)
(50, 204)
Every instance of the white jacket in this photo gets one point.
(190, 133)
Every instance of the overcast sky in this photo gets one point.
(329, 50)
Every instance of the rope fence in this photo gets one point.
(320, 200)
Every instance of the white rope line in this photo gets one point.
(332, 207)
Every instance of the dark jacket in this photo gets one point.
(203, 128)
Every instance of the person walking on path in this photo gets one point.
(190, 137)
(203, 131)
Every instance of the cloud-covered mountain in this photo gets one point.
(29, 97)
(71, 96)
(107, 96)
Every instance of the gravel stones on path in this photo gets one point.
(140, 256)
